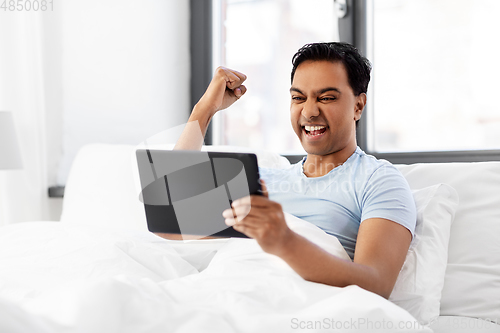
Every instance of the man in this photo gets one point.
(364, 202)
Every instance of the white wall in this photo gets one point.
(125, 71)
(111, 71)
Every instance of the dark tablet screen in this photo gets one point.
(185, 192)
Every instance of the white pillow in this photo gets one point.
(472, 279)
(420, 282)
(101, 190)
(314, 234)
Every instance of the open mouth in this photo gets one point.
(314, 130)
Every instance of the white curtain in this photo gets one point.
(23, 193)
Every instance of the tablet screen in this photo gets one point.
(185, 192)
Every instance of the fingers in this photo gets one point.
(234, 80)
(258, 201)
(245, 226)
(254, 206)
(263, 188)
(247, 230)
(234, 215)
(237, 213)
(225, 88)
(235, 75)
(240, 228)
(240, 91)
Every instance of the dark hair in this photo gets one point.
(358, 67)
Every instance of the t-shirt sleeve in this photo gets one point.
(387, 195)
(264, 173)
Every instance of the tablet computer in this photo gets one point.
(185, 192)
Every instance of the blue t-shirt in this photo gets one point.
(359, 189)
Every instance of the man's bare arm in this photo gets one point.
(225, 88)
(381, 247)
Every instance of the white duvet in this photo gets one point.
(57, 277)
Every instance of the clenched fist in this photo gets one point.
(225, 88)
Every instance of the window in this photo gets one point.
(435, 75)
(259, 39)
(431, 98)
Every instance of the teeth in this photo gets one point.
(313, 128)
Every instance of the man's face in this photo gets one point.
(324, 108)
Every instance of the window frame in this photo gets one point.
(200, 46)
(353, 29)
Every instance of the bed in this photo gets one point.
(100, 270)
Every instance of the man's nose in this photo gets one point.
(310, 110)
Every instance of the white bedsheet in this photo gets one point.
(56, 277)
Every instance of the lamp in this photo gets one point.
(10, 156)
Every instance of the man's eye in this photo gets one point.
(296, 98)
(327, 99)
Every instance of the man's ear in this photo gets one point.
(360, 106)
